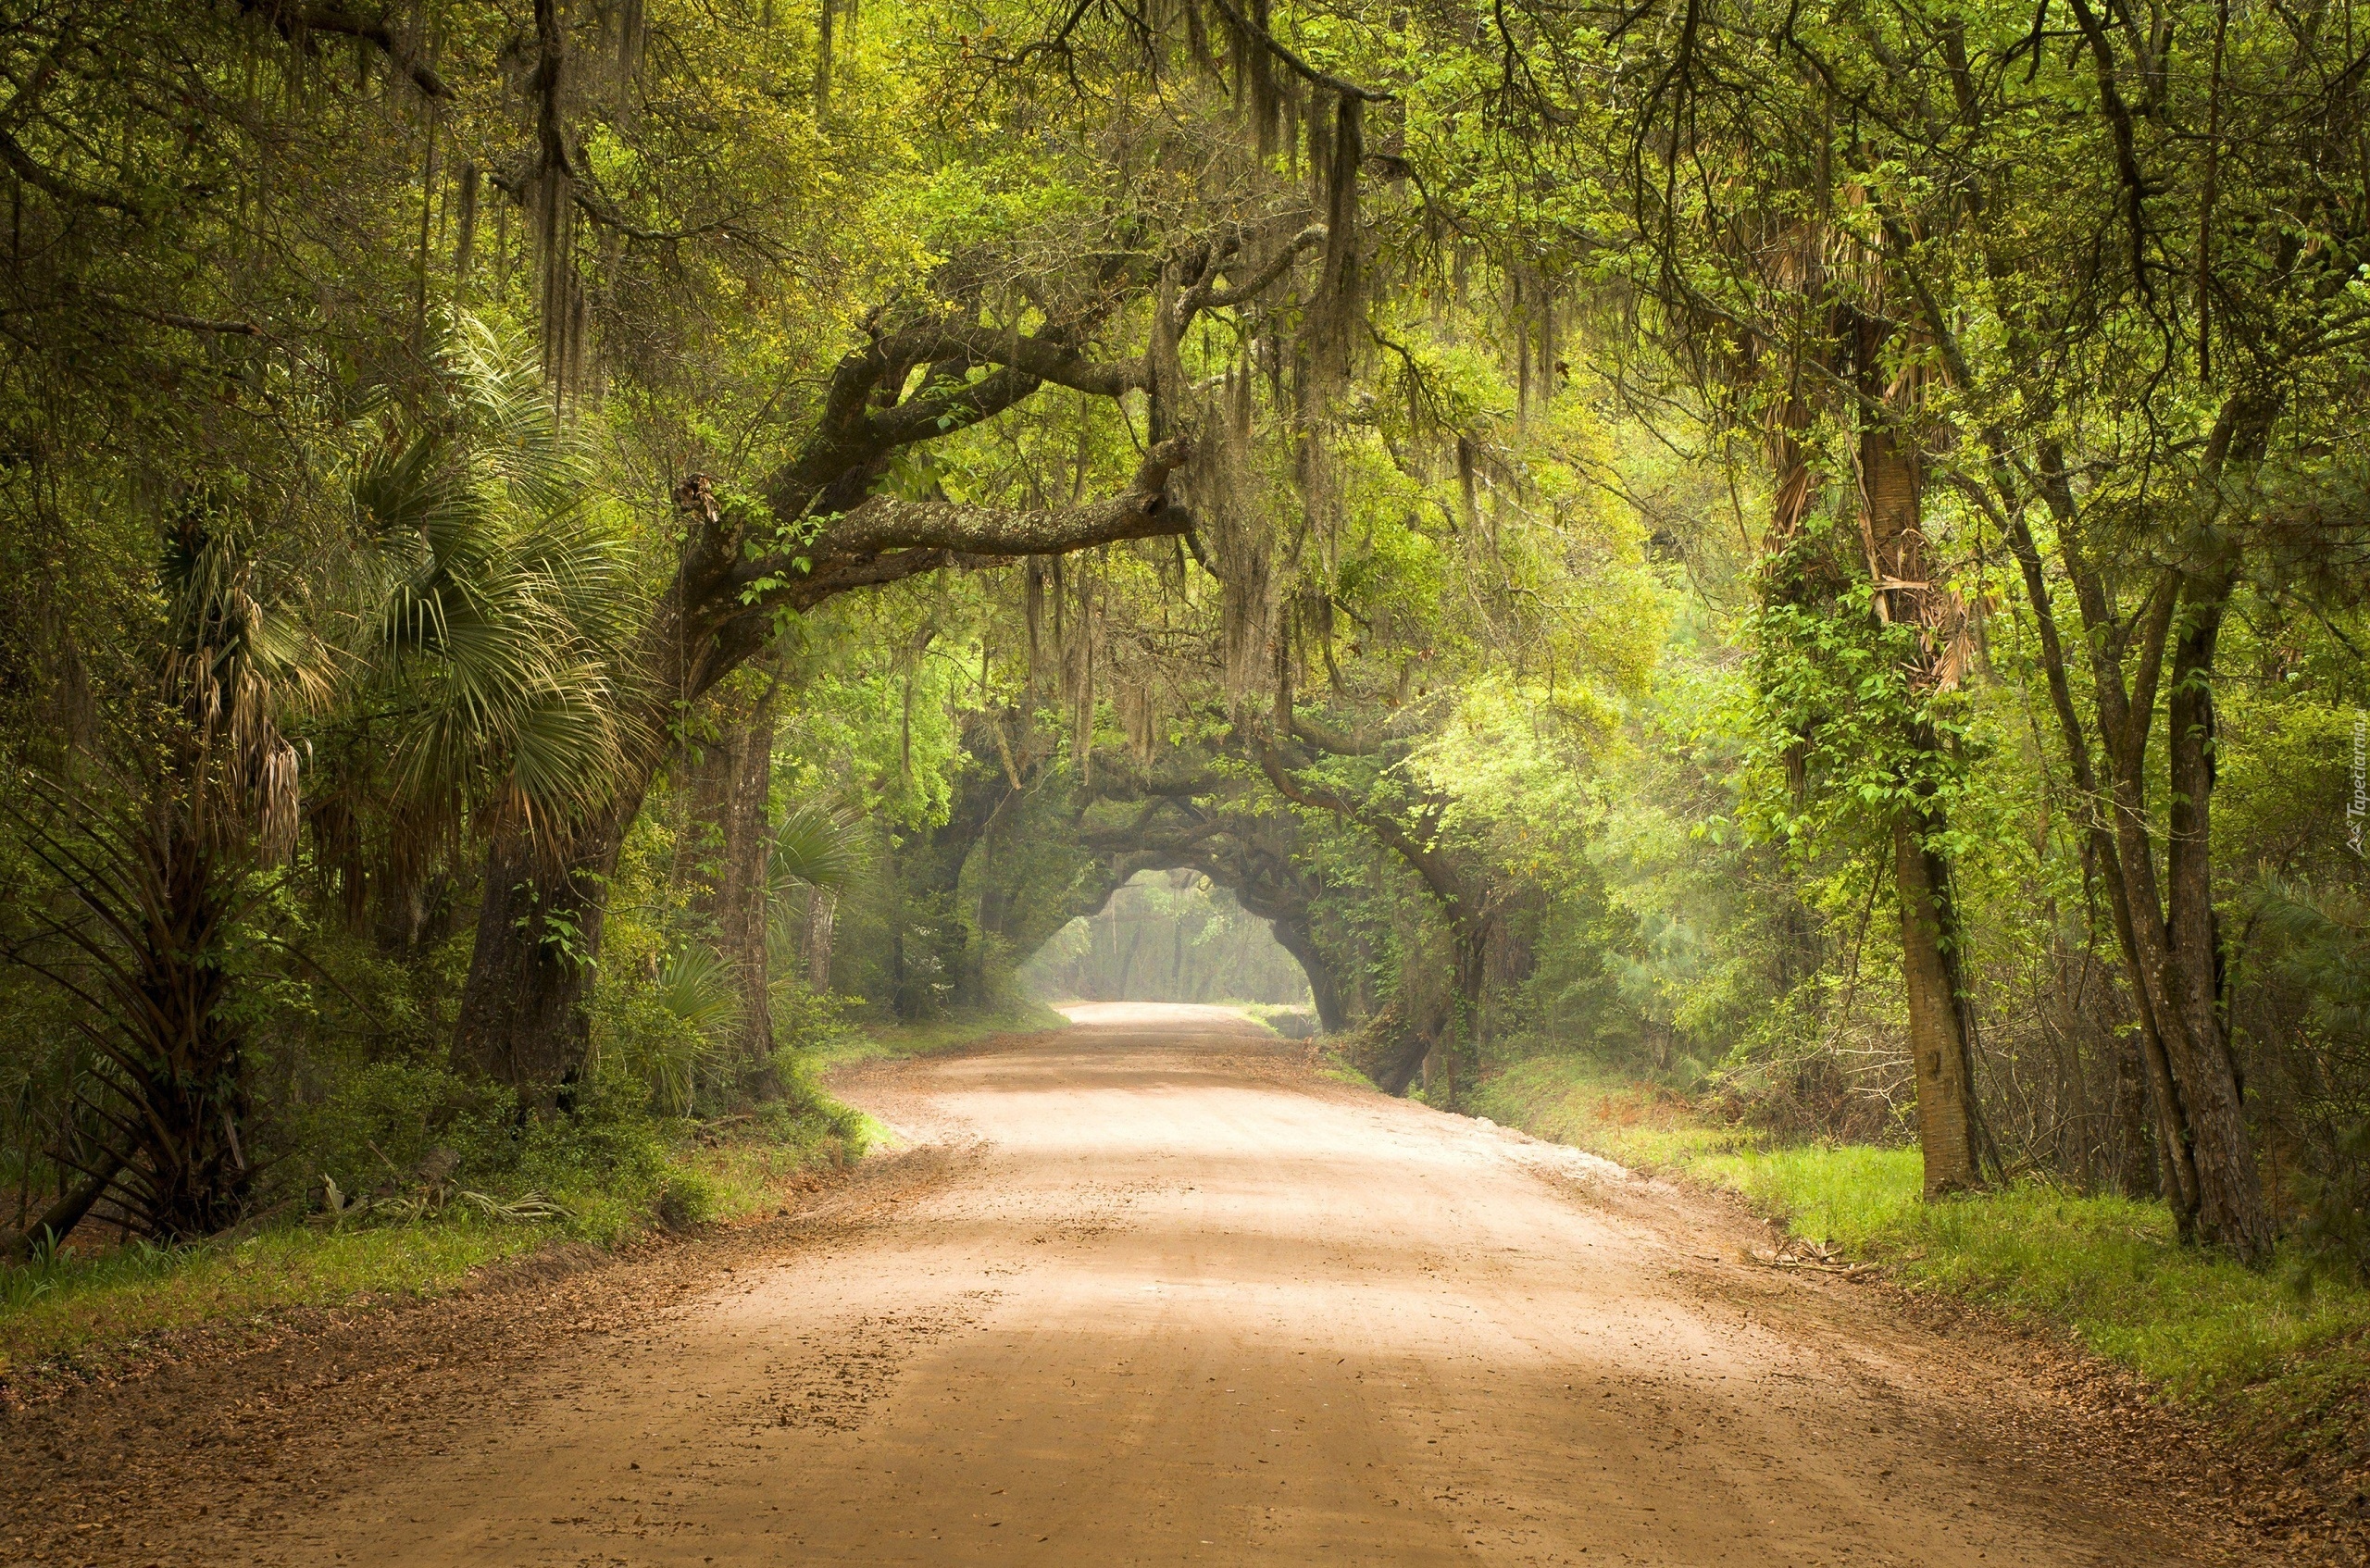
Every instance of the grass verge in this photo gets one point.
(101, 1302)
(2279, 1362)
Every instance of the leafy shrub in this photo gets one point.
(604, 1144)
(687, 1200)
(2333, 1237)
(806, 1019)
(669, 1026)
(384, 1121)
(399, 1123)
(805, 1108)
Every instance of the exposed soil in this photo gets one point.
(1146, 1290)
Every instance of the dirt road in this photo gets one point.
(1146, 1290)
(1181, 1300)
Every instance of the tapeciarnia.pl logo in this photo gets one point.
(2357, 807)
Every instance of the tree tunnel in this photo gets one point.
(945, 915)
(1169, 934)
(1030, 842)
(1027, 847)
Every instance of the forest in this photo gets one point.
(565, 555)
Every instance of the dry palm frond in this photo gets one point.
(409, 1208)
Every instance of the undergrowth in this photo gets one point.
(419, 1159)
(2275, 1350)
(1291, 1020)
(406, 1179)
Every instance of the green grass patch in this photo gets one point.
(2198, 1326)
(1291, 1020)
(1333, 1063)
(77, 1303)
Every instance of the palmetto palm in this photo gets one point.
(157, 889)
(819, 849)
(447, 661)
(493, 599)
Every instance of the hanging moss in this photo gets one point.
(1334, 310)
(465, 240)
(1260, 100)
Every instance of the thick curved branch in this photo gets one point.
(1209, 296)
(1335, 742)
(62, 1216)
(298, 23)
(2127, 158)
(884, 523)
(1046, 357)
(1116, 781)
(885, 539)
(1440, 874)
(1297, 66)
(23, 165)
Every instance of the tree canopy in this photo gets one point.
(563, 549)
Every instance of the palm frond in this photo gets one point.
(696, 986)
(817, 846)
(502, 598)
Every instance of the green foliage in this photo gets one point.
(382, 1123)
(816, 846)
(2333, 1234)
(88, 1305)
(2315, 946)
(396, 1129)
(619, 1172)
(650, 1033)
(493, 598)
(1536, 486)
(687, 1202)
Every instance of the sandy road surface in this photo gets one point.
(1179, 1301)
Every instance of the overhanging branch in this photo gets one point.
(1297, 66)
(884, 523)
(297, 24)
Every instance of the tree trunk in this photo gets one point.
(2231, 1210)
(1465, 900)
(1938, 1044)
(523, 1021)
(2118, 814)
(58, 1221)
(2180, 960)
(900, 1001)
(1409, 1053)
(1324, 988)
(2124, 714)
(1127, 959)
(821, 906)
(981, 936)
(1454, 1017)
(1941, 1058)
